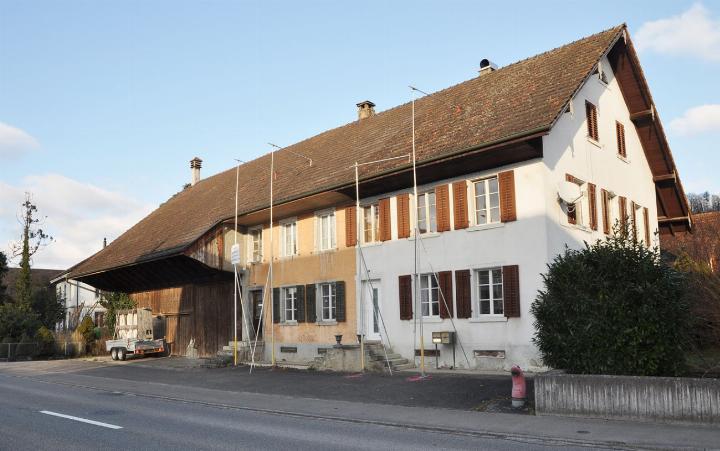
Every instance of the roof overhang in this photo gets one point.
(165, 272)
(673, 210)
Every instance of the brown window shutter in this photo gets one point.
(403, 212)
(592, 124)
(384, 205)
(571, 215)
(460, 207)
(646, 216)
(442, 204)
(606, 211)
(592, 200)
(633, 215)
(506, 184)
(620, 132)
(622, 204)
(350, 226)
(511, 291)
(405, 296)
(446, 292)
(462, 286)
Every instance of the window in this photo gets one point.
(371, 223)
(489, 291)
(328, 301)
(487, 201)
(579, 212)
(638, 223)
(426, 214)
(289, 304)
(325, 230)
(289, 238)
(592, 120)
(620, 132)
(429, 295)
(256, 245)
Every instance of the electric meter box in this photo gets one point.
(443, 338)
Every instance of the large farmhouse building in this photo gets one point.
(477, 228)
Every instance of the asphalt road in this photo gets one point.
(151, 423)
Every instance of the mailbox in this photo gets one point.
(443, 338)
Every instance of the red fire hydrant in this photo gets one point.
(518, 387)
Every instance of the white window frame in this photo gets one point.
(326, 240)
(284, 226)
(477, 300)
(374, 209)
(429, 295)
(329, 315)
(582, 207)
(487, 196)
(254, 257)
(422, 204)
(639, 222)
(288, 293)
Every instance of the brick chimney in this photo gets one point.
(195, 165)
(365, 109)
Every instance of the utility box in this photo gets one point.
(443, 338)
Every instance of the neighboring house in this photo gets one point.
(491, 153)
(703, 245)
(80, 300)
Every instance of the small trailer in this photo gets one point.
(134, 335)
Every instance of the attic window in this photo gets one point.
(592, 124)
(601, 73)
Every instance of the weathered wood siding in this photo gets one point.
(202, 312)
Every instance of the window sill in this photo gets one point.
(326, 323)
(286, 257)
(324, 251)
(623, 159)
(477, 228)
(489, 319)
(371, 244)
(289, 323)
(426, 235)
(594, 142)
(432, 319)
(580, 227)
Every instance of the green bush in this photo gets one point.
(16, 320)
(46, 342)
(87, 330)
(612, 308)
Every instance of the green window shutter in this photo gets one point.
(300, 304)
(276, 305)
(310, 303)
(340, 301)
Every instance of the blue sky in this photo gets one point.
(102, 104)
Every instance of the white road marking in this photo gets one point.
(82, 420)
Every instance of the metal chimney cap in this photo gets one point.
(195, 163)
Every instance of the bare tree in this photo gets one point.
(33, 238)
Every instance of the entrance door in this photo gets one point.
(371, 298)
(256, 296)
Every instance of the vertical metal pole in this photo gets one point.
(417, 237)
(272, 251)
(357, 266)
(235, 279)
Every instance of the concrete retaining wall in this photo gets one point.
(666, 399)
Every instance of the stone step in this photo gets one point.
(381, 356)
(404, 366)
(395, 362)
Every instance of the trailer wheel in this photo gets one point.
(114, 354)
(122, 353)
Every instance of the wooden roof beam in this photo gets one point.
(665, 177)
(644, 115)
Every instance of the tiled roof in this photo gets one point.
(523, 97)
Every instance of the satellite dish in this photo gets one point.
(569, 192)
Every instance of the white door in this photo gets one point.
(371, 299)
